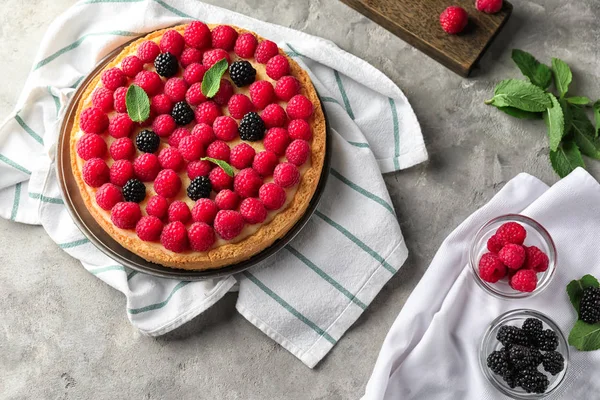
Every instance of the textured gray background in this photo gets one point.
(64, 334)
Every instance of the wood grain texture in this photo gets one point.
(417, 22)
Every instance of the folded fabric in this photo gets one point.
(307, 295)
(431, 351)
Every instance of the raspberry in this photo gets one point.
(167, 183)
(224, 93)
(205, 133)
(121, 171)
(261, 94)
(161, 104)
(223, 37)
(241, 156)
(125, 215)
(113, 78)
(491, 268)
(277, 67)
(177, 135)
(454, 19)
(182, 113)
(170, 158)
(287, 87)
(190, 56)
(242, 73)
(488, 6)
(276, 140)
(272, 196)
(524, 280)
(120, 126)
(102, 98)
(108, 195)
(91, 146)
(198, 168)
(265, 50)
(194, 73)
(204, 210)
(219, 179)
(175, 89)
(239, 105)
(225, 128)
(149, 81)
(264, 163)
(227, 200)
(163, 125)
(148, 51)
(495, 244)
(158, 207)
(207, 112)
(122, 149)
(131, 65)
(253, 210)
(297, 152)
(536, 259)
(299, 107)
(146, 167)
(179, 211)
(299, 129)
(512, 255)
(197, 35)
(174, 237)
(286, 175)
(134, 191)
(190, 148)
(201, 236)
(247, 183)
(211, 57)
(119, 100)
(229, 224)
(511, 232)
(219, 150)
(149, 228)
(172, 42)
(273, 115)
(194, 95)
(93, 120)
(245, 45)
(95, 172)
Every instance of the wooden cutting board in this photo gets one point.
(417, 22)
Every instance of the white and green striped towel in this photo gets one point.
(307, 295)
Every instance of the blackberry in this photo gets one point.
(166, 65)
(199, 188)
(508, 335)
(521, 357)
(242, 73)
(182, 113)
(532, 327)
(147, 141)
(553, 362)
(533, 381)
(589, 307)
(511, 378)
(134, 190)
(497, 361)
(547, 340)
(252, 127)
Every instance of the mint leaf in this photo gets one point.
(567, 115)
(555, 121)
(562, 76)
(223, 164)
(212, 78)
(584, 133)
(566, 159)
(137, 103)
(596, 108)
(585, 337)
(539, 74)
(579, 100)
(515, 112)
(520, 94)
(575, 289)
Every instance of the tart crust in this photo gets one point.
(228, 253)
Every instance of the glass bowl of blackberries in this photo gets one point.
(524, 354)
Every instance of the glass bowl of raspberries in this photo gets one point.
(524, 354)
(513, 256)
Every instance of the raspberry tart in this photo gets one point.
(198, 146)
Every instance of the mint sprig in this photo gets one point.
(223, 164)
(138, 104)
(571, 134)
(583, 336)
(212, 78)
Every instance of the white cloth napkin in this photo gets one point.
(307, 295)
(431, 351)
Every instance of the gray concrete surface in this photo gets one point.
(64, 334)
